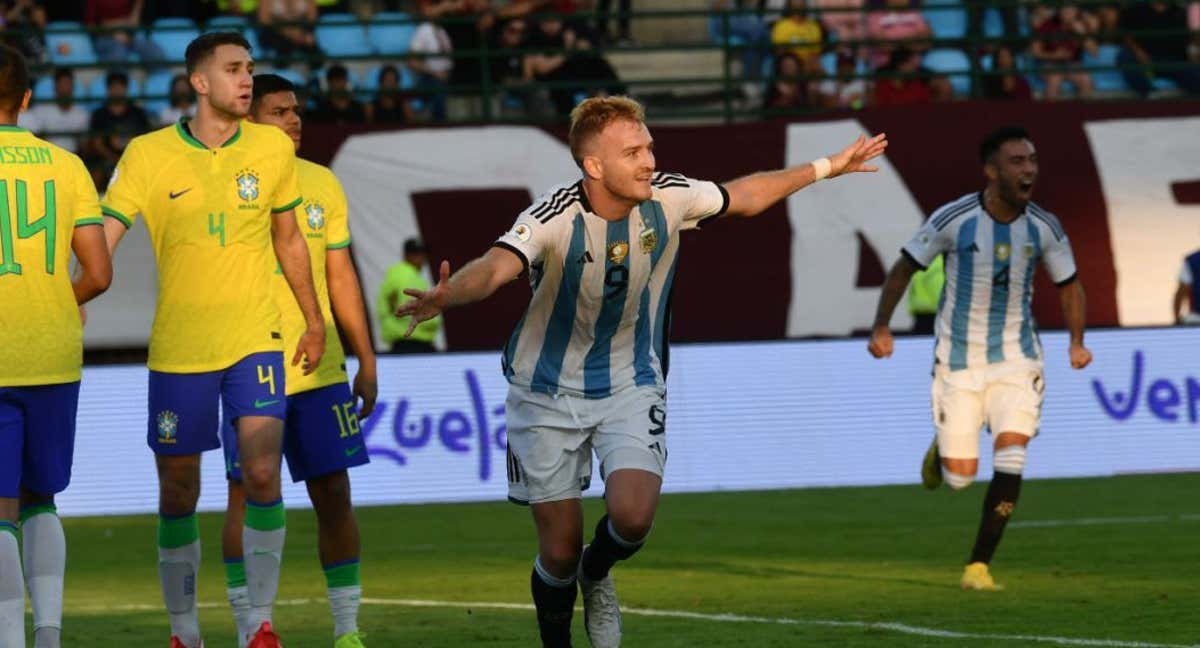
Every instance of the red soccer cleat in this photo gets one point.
(265, 637)
(176, 643)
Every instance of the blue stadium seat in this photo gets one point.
(295, 77)
(69, 44)
(43, 89)
(173, 36)
(236, 24)
(1106, 80)
(993, 24)
(829, 63)
(390, 37)
(954, 64)
(157, 84)
(946, 22)
(342, 35)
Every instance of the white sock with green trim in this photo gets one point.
(45, 561)
(12, 588)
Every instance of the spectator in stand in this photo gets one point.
(435, 68)
(908, 82)
(844, 21)
(603, 11)
(286, 26)
(1010, 20)
(1185, 306)
(390, 105)
(579, 61)
(182, 102)
(751, 30)
(338, 106)
(114, 124)
(845, 89)
(508, 69)
(798, 33)
(21, 24)
(1062, 36)
(248, 8)
(121, 22)
(1156, 55)
(465, 21)
(1194, 26)
(1004, 81)
(67, 119)
(199, 12)
(788, 90)
(897, 21)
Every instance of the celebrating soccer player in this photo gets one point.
(48, 209)
(321, 436)
(988, 359)
(587, 364)
(218, 195)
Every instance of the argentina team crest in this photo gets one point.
(247, 185)
(168, 426)
(315, 216)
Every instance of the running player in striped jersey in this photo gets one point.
(48, 209)
(587, 364)
(988, 359)
(217, 194)
(321, 438)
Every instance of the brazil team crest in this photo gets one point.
(315, 216)
(247, 185)
(168, 425)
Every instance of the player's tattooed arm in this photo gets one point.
(881, 342)
(753, 194)
(1074, 309)
(292, 254)
(474, 282)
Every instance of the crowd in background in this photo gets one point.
(853, 53)
(546, 55)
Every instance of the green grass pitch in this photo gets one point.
(1115, 560)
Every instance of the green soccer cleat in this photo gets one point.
(349, 640)
(931, 467)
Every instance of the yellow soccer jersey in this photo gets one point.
(322, 217)
(209, 215)
(45, 193)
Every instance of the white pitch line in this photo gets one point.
(901, 628)
(1144, 519)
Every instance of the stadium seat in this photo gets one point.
(173, 36)
(69, 44)
(156, 88)
(236, 24)
(1105, 80)
(946, 22)
(715, 32)
(299, 80)
(388, 36)
(954, 64)
(993, 24)
(43, 89)
(341, 35)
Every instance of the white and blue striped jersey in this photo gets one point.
(599, 318)
(985, 315)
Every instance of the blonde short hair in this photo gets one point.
(592, 115)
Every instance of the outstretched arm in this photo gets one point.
(476, 281)
(95, 263)
(292, 254)
(753, 194)
(1074, 309)
(881, 342)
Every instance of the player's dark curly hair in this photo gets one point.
(995, 139)
(268, 84)
(14, 79)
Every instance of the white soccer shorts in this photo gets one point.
(551, 440)
(1007, 396)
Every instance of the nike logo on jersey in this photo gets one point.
(175, 195)
(353, 451)
(259, 404)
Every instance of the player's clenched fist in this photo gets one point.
(881, 342)
(1080, 356)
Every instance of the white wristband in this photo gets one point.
(821, 167)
